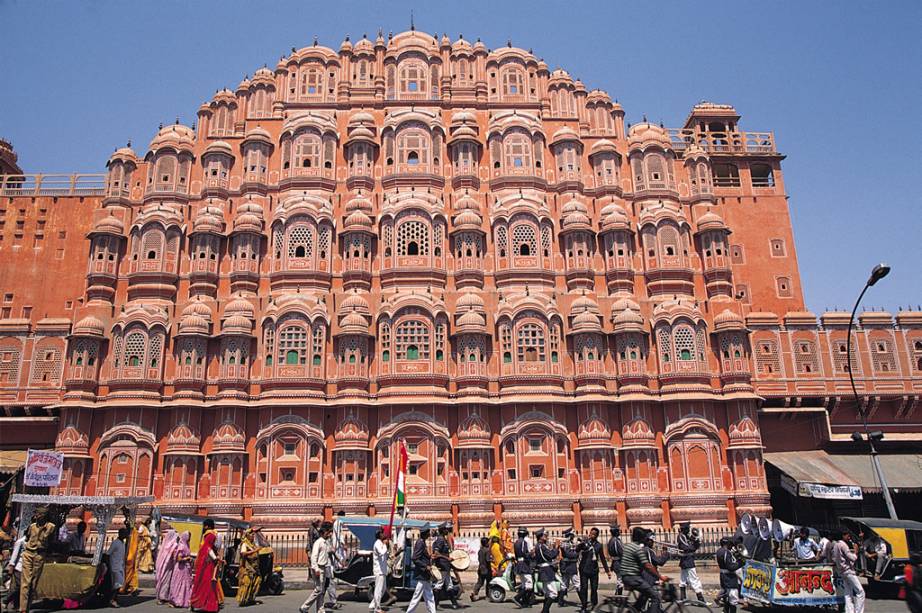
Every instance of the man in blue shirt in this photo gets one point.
(805, 548)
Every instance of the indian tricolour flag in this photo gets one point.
(400, 486)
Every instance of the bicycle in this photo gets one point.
(669, 597)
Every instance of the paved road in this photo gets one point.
(291, 600)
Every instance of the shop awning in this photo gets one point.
(818, 474)
(11, 460)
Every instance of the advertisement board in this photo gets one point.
(43, 468)
(796, 586)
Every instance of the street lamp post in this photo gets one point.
(879, 272)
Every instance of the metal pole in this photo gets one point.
(875, 461)
(880, 476)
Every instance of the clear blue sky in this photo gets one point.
(840, 84)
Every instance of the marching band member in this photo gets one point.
(546, 559)
(729, 564)
(615, 551)
(523, 558)
(688, 543)
(569, 567)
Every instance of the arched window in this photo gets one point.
(412, 77)
(413, 146)
(530, 343)
(413, 238)
(524, 240)
(517, 149)
(412, 340)
(684, 344)
(300, 242)
(513, 81)
(135, 344)
(307, 150)
(292, 349)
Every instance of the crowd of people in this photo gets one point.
(534, 565)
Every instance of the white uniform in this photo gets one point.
(379, 556)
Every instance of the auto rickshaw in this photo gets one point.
(231, 531)
(355, 569)
(902, 536)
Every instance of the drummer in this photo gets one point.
(441, 553)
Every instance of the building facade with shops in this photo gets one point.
(415, 240)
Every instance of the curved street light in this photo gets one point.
(879, 272)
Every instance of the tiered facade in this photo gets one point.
(426, 241)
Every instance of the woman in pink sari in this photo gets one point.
(164, 566)
(205, 582)
(181, 579)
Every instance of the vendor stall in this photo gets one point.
(77, 577)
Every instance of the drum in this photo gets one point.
(460, 560)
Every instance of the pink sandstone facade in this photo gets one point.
(565, 319)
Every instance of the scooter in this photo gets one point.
(504, 584)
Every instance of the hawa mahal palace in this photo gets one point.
(423, 241)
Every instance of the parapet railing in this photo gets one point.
(723, 142)
(53, 185)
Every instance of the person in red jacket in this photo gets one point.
(911, 590)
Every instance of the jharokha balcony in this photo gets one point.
(729, 143)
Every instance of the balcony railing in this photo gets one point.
(53, 185)
(724, 142)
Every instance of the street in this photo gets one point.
(291, 600)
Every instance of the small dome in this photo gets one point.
(358, 220)
(352, 434)
(598, 96)
(89, 326)
(711, 221)
(587, 321)
(263, 72)
(238, 325)
(209, 220)
(109, 225)
(195, 319)
(258, 134)
(353, 323)
(471, 319)
(249, 218)
(694, 152)
(613, 217)
(584, 303)
(363, 46)
(359, 203)
(467, 219)
(239, 306)
(470, 300)
(219, 147)
(575, 220)
(643, 134)
(563, 135)
(727, 321)
(124, 154)
(572, 206)
(197, 307)
(626, 316)
(355, 302)
(461, 46)
(175, 135)
(602, 146)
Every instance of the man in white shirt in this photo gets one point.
(14, 570)
(844, 554)
(379, 559)
(321, 568)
